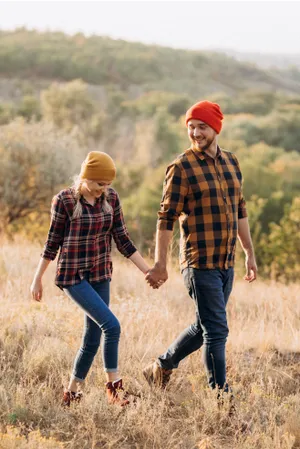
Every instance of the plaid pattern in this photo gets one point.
(85, 242)
(206, 195)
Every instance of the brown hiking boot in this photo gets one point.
(71, 396)
(155, 375)
(116, 394)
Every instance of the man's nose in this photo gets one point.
(197, 132)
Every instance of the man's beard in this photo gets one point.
(201, 148)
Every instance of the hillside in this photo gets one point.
(102, 61)
(267, 60)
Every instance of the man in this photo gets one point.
(203, 189)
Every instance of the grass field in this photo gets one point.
(38, 343)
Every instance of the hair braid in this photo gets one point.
(78, 206)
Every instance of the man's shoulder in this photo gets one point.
(229, 156)
(181, 158)
(226, 153)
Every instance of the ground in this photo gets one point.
(38, 342)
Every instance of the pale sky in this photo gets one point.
(247, 26)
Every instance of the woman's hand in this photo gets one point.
(36, 289)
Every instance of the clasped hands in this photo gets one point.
(156, 276)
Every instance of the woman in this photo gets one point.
(84, 219)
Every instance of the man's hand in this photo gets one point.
(251, 269)
(156, 276)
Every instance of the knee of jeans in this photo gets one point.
(114, 328)
(196, 328)
(215, 335)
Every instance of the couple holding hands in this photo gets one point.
(203, 189)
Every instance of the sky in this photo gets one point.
(245, 26)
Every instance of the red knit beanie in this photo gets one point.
(208, 112)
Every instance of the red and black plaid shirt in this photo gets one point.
(85, 242)
(206, 195)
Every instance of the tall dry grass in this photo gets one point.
(38, 343)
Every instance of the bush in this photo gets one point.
(282, 245)
(69, 106)
(37, 160)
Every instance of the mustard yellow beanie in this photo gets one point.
(98, 166)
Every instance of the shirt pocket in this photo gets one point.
(199, 187)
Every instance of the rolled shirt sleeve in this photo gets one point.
(242, 211)
(174, 191)
(120, 232)
(56, 230)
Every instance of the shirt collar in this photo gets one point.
(86, 202)
(202, 155)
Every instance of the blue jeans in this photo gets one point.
(93, 298)
(210, 290)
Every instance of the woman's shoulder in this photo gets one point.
(112, 194)
(113, 198)
(67, 198)
(66, 194)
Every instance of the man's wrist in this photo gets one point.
(160, 265)
(249, 252)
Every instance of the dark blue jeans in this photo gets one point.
(210, 290)
(93, 298)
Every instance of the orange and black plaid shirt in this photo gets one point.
(205, 194)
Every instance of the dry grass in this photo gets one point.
(38, 343)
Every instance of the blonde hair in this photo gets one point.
(77, 212)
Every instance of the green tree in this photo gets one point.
(29, 108)
(7, 113)
(170, 137)
(141, 207)
(249, 101)
(280, 128)
(36, 161)
(148, 104)
(282, 245)
(69, 106)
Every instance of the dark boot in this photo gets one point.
(157, 376)
(116, 394)
(71, 396)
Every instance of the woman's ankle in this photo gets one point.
(112, 377)
(75, 385)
